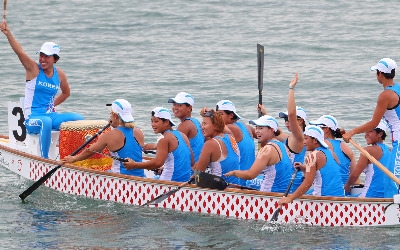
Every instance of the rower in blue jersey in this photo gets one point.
(182, 107)
(320, 168)
(43, 81)
(174, 155)
(374, 176)
(220, 153)
(244, 134)
(123, 141)
(345, 155)
(272, 160)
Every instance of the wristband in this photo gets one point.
(291, 87)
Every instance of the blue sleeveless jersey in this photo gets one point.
(230, 163)
(131, 149)
(375, 178)
(277, 176)
(178, 165)
(246, 149)
(327, 181)
(343, 159)
(40, 93)
(300, 175)
(197, 142)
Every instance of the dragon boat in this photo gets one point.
(19, 153)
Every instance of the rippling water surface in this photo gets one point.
(147, 52)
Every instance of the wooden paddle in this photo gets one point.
(260, 71)
(277, 211)
(375, 161)
(39, 182)
(5, 10)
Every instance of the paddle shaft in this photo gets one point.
(39, 182)
(375, 161)
(260, 73)
(276, 213)
(164, 196)
(5, 10)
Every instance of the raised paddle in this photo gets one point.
(278, 210)
(51, 172)
(5, 10)
(375, 161)
(260, 73)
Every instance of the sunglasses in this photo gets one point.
(287, 119)
(209, 114)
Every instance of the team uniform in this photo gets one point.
(229, 163)
(39, 110)
(177, 166)
(327, 181)
(343, 159)
(197, 142)
(246, 149)
(392, 117)
(277, 176)
(375, 178)
(131, 149)
(296, 158)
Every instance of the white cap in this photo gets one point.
(385, 65)
(326, 120)
(265, 121)
(317, 133)
(50, 48)
(161, 112)
(181, 98)
(124, 110)
(227, 105)
(383, 125)
(300, 112)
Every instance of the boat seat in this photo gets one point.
(32, 141)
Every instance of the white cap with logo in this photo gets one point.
(161, 112)
(300, 112)
(227, 105)
(385, 65)
(50, 48)
(266, 121)
(124, 110)
(317, 133)
(327, 121)
(182, 98)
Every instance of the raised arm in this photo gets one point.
(31, 67)
(295, 140)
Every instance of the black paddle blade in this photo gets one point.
(37, 184)
(162, 197)
(276, 214)
(206, 180)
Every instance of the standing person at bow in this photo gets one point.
(320, 168)
(272, 161)
(174, 154)
(43, 80)
(220, 153)
(345, 155)
(387, 107)
(374, 177)
(295, 120)
(243, 134)
(123, 141)
(182, 107)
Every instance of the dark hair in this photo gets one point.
(56, 57)
(162, 119)
(390, 75)
(336, 133)
(378, 130)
